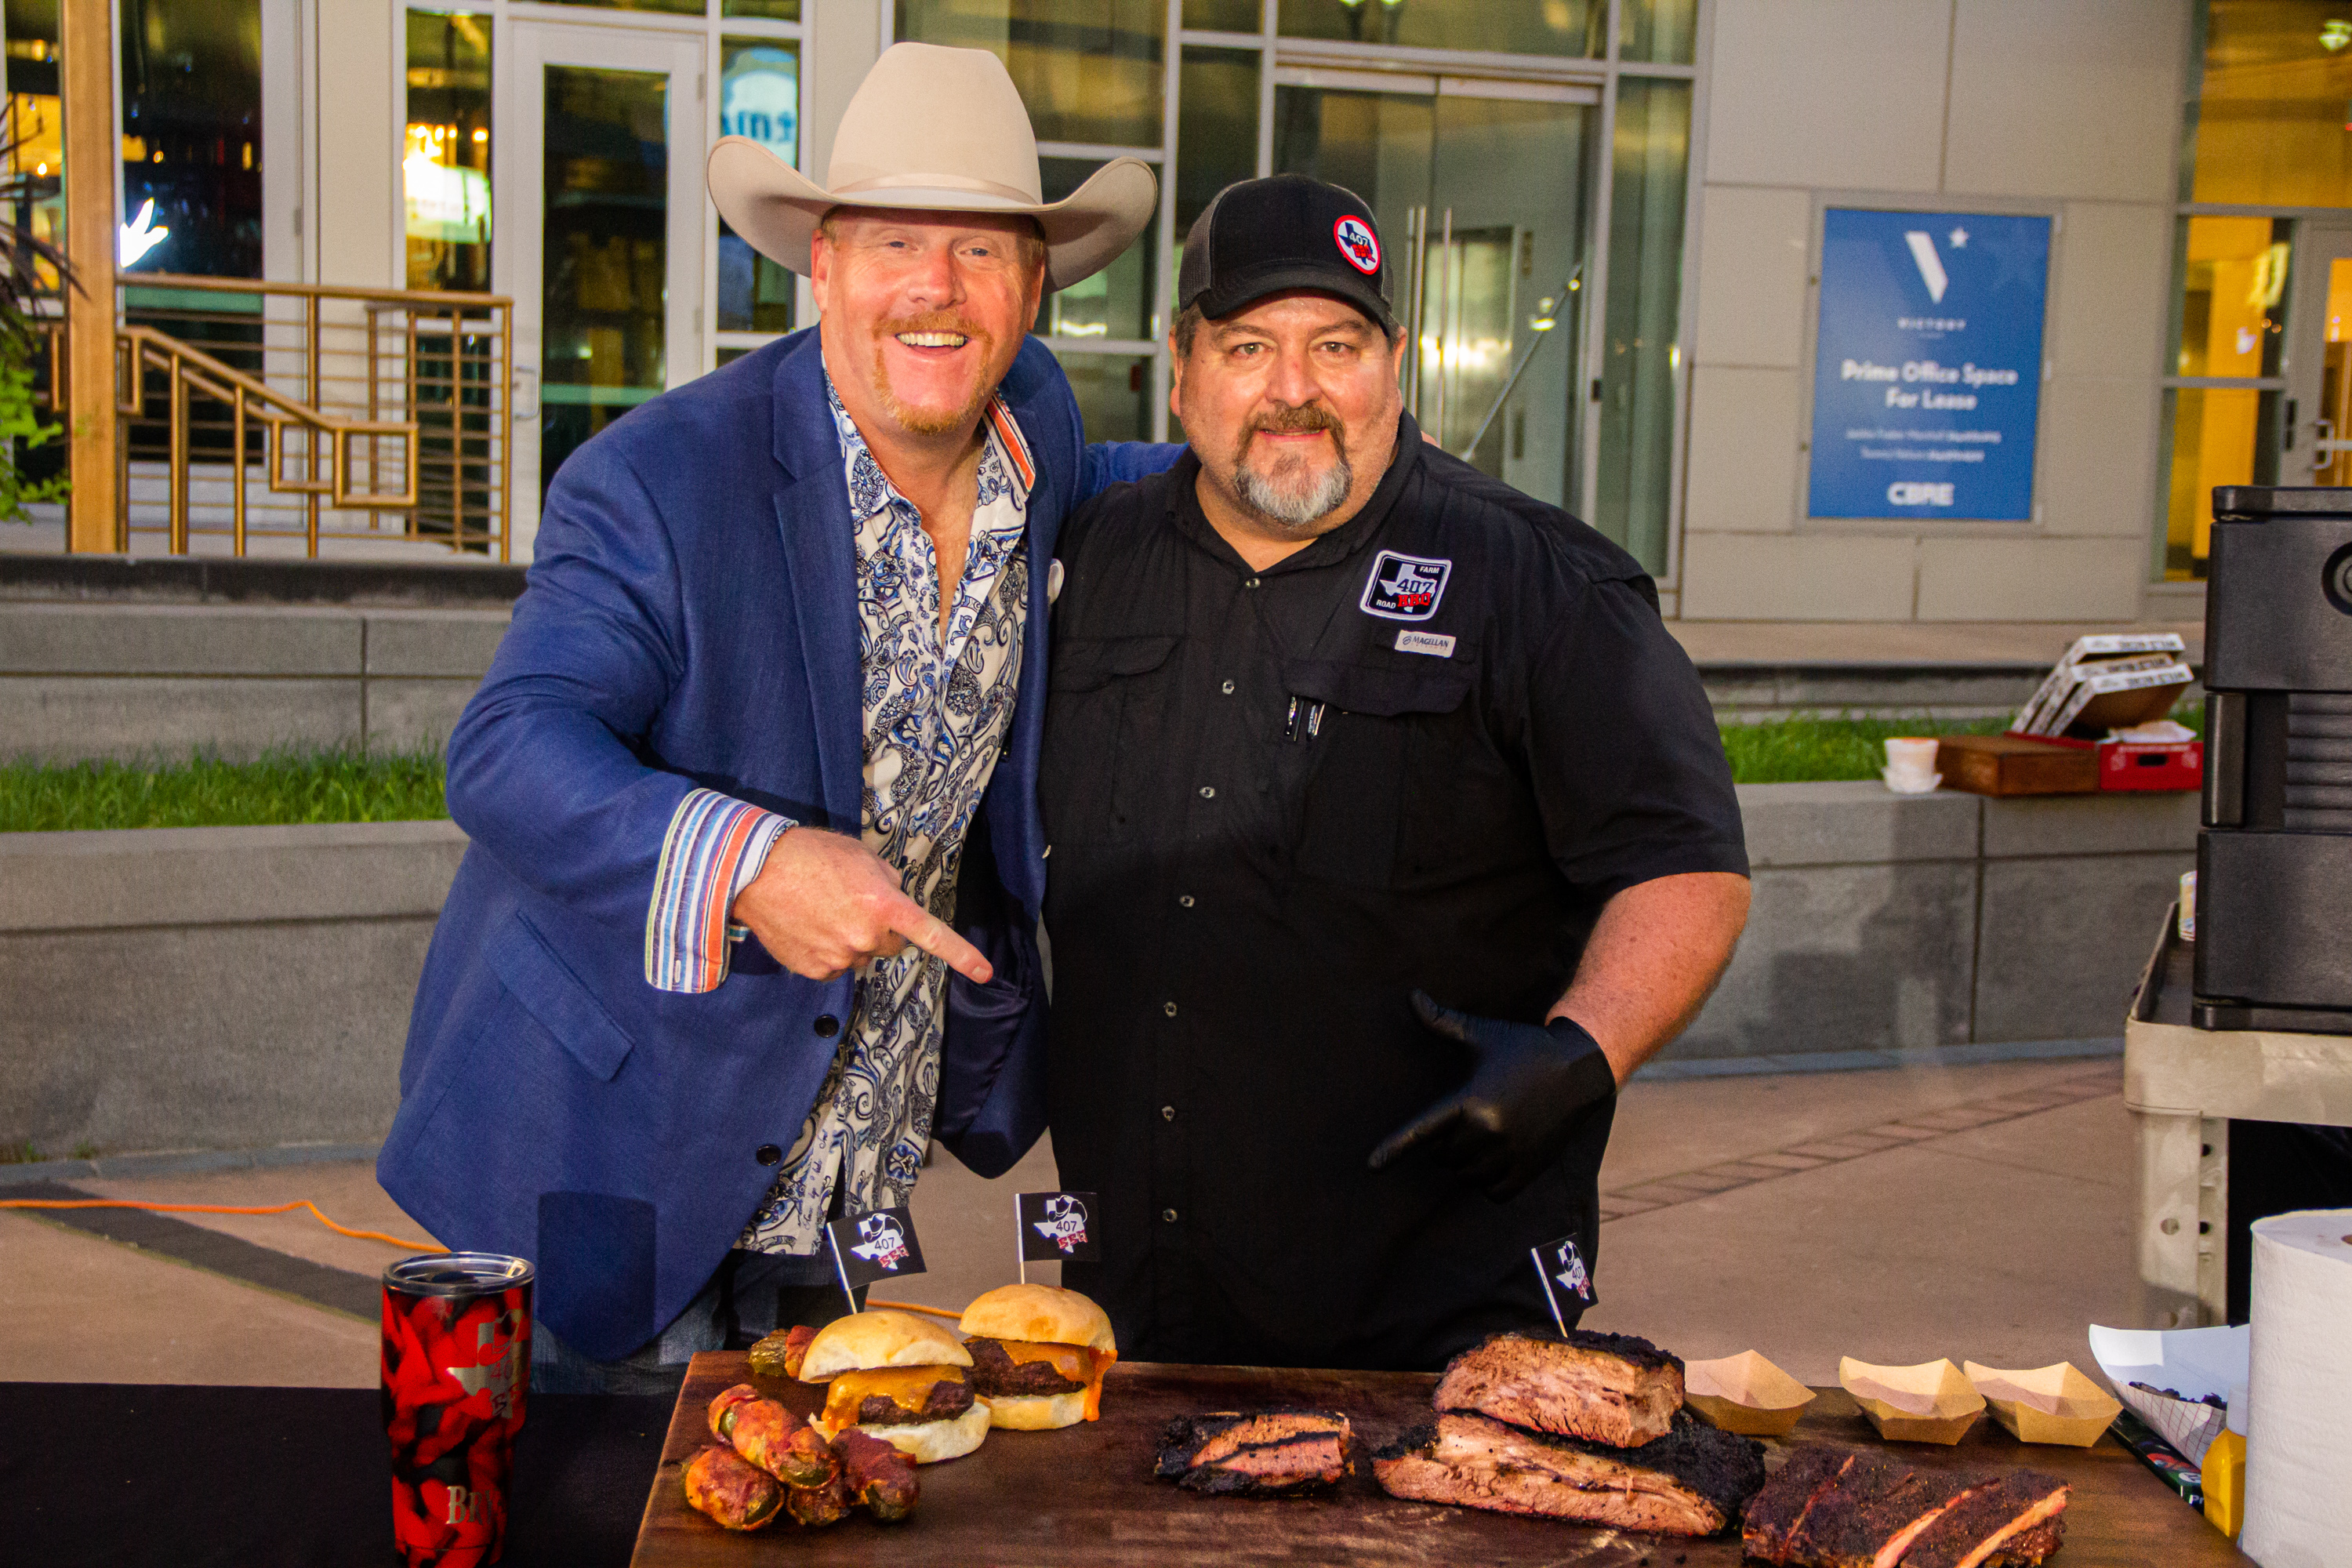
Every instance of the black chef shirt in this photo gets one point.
(1421, 751)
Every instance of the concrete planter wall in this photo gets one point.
(233, 987)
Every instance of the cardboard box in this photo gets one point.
(2015, 764)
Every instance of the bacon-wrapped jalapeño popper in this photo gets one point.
(878, 1475)
(772, 1436)
(723, 1485)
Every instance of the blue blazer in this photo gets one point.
(691, 620)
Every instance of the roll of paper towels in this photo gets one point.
(2298, 1445)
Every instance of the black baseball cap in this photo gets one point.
(1286, 231)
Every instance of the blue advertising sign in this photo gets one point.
(1927, 368)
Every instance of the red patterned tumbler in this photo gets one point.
(457, 1362)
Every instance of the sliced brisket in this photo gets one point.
(1608, 1388)
(1267, 1453)
(1689, 1482)
(2015, 1518)
(1774, 1514)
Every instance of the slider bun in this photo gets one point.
(928, 1442)
(1036, 1412)
(1039, 1314)
(866, 1341)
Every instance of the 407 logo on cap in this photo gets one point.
(1357, 244)
(1404, 588)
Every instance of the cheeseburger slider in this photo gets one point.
(1038, 1355)
(898, 1377)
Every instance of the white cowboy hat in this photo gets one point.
(942, 131)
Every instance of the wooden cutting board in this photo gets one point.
(1085, 1494)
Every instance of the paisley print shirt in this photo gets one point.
(936, 708)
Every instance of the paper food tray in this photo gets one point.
(1745, 1394)
(2046, 1404)
(2192, 1362)
(1929, 1402)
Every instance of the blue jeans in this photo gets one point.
(752, 1294)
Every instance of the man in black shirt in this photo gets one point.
(1390, 833)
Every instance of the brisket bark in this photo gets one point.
(1689, 1482)
(1607, 1388)
(1267, 1453)
(1834, 1508)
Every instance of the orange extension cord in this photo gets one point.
(216, 1209)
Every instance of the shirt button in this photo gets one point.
(1252, 583)
(1168, 1215)
(1169, 1008)
(1227, 688)
(768, 1155)
(828, 1025)
(1208, 792)
(1184, 900)
(1167, 1114)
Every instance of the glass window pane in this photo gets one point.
(1217, 128)
(1114, 393)
(192, 132)
(758, 97)
(1089, 70)
(606, 232)
(2268, 126)
(445, 169)
(1116, 303)
(1657, 32)
(2335, 374)
(1575, 28)
(2217, 436)
(1223, 16)
(676, 7)
(2233, 289)
(771, 10)
(36, 131)
(1640, 354)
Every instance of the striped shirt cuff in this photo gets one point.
(714, 846)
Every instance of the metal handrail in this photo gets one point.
(443, 358)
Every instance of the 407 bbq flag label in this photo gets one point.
(877, 1246)
(1056, 1227)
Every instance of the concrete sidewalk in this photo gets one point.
(1970, 1211)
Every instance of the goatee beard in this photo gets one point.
(1289, 497)
(931, 421)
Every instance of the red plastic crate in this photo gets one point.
(2149, 766)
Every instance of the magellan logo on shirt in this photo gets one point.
(1404, 588)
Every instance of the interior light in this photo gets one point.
(140, 236)
(483, 135)
(2334, 34)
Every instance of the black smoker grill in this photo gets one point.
(2274, 858)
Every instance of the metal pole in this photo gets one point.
(87, 41)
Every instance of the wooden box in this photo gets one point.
(2015, 764)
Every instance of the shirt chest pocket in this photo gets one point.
(1353, 810)
(1103, 731)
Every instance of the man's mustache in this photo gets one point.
(1290, 420)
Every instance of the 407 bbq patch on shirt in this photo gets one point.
(1421, 751)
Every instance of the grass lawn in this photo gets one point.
(307, 786)
(341, 786)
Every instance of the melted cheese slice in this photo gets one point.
(907, 1386)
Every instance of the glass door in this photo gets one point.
(2318, 441)
(1480, 189)
(606, 270)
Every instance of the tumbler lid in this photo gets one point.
(456, 1273)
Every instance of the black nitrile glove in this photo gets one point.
(1529, 1086)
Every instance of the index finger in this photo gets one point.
(1432, 1122)
(939, 938)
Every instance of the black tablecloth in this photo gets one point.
(250, 1477)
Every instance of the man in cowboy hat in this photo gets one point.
(733, 782)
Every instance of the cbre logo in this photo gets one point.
(1919, 492)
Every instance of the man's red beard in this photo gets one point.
(932, 421)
